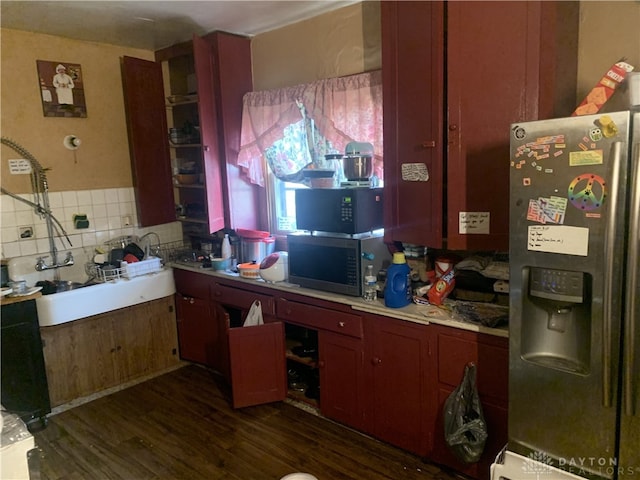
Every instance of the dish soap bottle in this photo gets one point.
(370, 285)
(397, 291)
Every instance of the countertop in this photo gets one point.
(424, 314)
(8, 299)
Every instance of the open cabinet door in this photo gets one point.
(257, 358)
(148, 141)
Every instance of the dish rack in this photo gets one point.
(174, 251)
(166, 252)
(108, 273)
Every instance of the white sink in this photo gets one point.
(103, 297)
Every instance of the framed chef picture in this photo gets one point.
(61, 89)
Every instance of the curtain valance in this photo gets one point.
(345, 109)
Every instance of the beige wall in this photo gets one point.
(608, 31)
(338, 43)
(102, 161)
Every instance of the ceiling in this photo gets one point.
(152, 25)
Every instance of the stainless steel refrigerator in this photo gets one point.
(574, 380)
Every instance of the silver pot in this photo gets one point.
(255, 249)
(357, 167)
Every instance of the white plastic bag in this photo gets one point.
(255, 315)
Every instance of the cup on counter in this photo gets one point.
(18, 286)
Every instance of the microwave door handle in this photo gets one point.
(631, 289)
(615, 157)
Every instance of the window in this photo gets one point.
(287, 130)
(286, 159)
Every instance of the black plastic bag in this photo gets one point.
(465, 430)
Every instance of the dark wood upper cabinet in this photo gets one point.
(222, 64)
(213, 161)
(148, 142)
(456, 75)
(209, 75)
(413, 102)
(244, 202)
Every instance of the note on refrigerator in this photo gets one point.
(558, 239)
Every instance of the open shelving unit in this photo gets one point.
(186, 148)
(306, 367)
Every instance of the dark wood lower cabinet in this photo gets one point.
(210, 319)
(197, 332)
(383, 376)
(340, 348)
(256, 356)
(398, 382)
(453, 350)
(342, 378)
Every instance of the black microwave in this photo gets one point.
(339, 210)
(335, 263)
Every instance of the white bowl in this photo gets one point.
(249, 270)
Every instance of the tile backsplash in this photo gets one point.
(111, 213)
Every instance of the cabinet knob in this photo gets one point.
(376, 361)
(192, 301)
(321, 364)
(206, 148)
(341, 324)
(453, 128)
(428, 144)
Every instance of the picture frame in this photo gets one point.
(62, 90)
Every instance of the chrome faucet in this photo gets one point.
(41, 265)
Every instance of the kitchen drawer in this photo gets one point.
(320, 318)
(236, 297)
(192, 284)
(492, 364)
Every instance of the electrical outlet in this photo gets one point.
(126, 221)
(25, 232)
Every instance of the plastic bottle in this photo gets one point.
(397, 291)
(370, 285)
(226, 247)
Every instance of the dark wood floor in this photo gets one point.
(180, 426)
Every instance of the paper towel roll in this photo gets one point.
(633, 88)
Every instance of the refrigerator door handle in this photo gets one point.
(631, 288)
(615, 158)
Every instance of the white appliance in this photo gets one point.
(574, 326)
(275, 267)
(15, 445)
